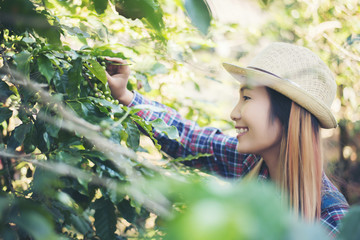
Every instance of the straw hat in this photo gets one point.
(295, 72)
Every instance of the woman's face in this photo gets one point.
(257, 134)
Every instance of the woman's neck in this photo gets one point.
(271, 159)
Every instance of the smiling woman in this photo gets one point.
(285, 98)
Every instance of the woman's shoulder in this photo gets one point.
(333, 206)
(331, 196)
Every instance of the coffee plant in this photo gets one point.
(72, 165)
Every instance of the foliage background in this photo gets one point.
(92, 175)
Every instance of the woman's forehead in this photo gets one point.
(248, 87)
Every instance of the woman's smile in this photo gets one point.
(241, 131)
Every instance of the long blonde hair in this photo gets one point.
(301, 164)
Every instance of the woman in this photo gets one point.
(285, 98)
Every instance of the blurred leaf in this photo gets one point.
(144, 80)
(150, 10)
(352, 38)
(75, 78)
(4, 91)
(21, 131)
(105, 219)
(158, 68)
(28, 40)
(113, 107)
(86, 109)
(37, 225)
(126, 210)
(147, 128)
(96, 69)
(22, 60)
(80, 224)
(100, 5)
(350, 229)
(45, 67)
(191, 157)
(199, 13)
(5, 114)
(161, 126)
(4, 204)
(133, 135)
(43, 138)
(265, 3)
(45, 183)
(68, 157)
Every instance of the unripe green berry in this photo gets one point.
(104, 124)
(107, 133)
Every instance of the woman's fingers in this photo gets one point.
(115, 59)
(116, 65)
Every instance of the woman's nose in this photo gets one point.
(236, 113)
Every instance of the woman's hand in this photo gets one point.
(117, 74)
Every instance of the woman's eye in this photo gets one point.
(246, 98)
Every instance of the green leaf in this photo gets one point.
(5, 91)
(105, 219)
(43, 138)
(4, 204)
(199, 13)
(96, 69)
(158, 68)
(126, 210)
(46, 68)
(75, 78)
(80, 224)
(21, 131)
(114, 107)
(148, 10)
(5, 114)
(22, 61)
(100, 5)
(52, 130)
(144, 80)
(161, 126)
(87, 110)
(37, 225)
(147, 128)
(71, 158)
(46, 182)
(191, 157)
(133, 132)
(350, 229)
(28, 40)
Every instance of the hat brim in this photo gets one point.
(252, 77)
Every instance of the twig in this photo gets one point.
(343, 50)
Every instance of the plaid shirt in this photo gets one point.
(225, 160)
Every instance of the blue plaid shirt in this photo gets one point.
(225, 160)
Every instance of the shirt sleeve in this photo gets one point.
(224, 160)
(333, 207)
